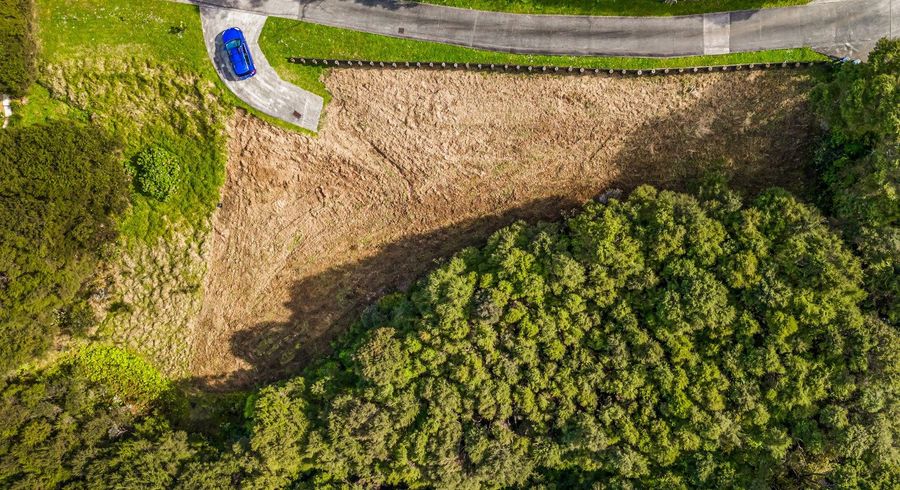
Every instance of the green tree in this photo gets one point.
(61, 187)
(860, 166)
(18, 47)
(862, 101)
(659, 341)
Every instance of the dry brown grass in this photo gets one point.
(413, 165)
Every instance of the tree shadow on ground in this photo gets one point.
(756, 141)
(324, 305)
(756, 145)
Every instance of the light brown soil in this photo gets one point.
(411, 166)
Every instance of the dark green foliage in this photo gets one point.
(57, 421)
(60, 187)
(94, 420)
(155, 456)
(156, 172)
(77, 318)
(860, 166)
(18, 49)
(862, 102)
(661, 342)
(53, 427)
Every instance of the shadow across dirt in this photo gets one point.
(323, 306)
(756, 145)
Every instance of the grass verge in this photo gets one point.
(285, 38)
(615, 7)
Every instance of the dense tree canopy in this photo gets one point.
(862, 101)
(57, 421)
(659, 341)
(860, 166)
(60, 187)
(18, 47)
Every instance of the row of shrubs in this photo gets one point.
(18, 46)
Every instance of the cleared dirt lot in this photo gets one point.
(410, 166)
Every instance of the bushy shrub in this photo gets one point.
(862, 101)
(157, 172)
(77, 318)
(659, 342)
(18, 49)
(61, 186)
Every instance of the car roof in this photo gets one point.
(231, 34)
(240, 59)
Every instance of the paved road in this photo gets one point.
(266, 91)
(835, 26)
(840, 27)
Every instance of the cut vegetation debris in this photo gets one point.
(285, 38)
(412, 165)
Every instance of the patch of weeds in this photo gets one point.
(126, 374)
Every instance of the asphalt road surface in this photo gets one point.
(836, 26)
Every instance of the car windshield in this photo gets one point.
(233, 44)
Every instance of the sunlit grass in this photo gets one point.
(285, 38)
(616, 7)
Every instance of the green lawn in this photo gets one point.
(615, 7)
(284, 38)
(140, 69)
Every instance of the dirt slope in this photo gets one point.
(412, 165)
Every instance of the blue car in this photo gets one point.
(238, 53)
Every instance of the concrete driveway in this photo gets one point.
(845, 27)
(266, 91)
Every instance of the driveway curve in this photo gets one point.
(844, 27)
(266, 91)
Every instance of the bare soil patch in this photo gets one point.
(414, 165)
